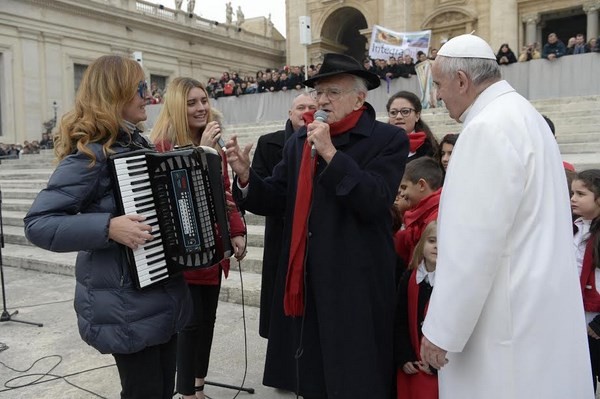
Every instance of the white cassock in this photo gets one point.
(507, 304)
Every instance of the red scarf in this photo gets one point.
(293, 300)
(416, 140)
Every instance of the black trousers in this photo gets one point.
(594, 345)
(195, 341)
(149, 373)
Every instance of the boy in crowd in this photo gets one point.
(421, 188)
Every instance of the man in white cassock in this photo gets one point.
(505, 319)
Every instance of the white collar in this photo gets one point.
(423, 274)
(582, 222)
(463, 116)
(484, 98)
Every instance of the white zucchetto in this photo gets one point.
(467, 46)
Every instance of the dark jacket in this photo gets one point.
(268, 154)
(345, 338)
(73, 214)
(510, 57)
(557, 48)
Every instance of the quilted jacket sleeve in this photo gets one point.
(61, 218)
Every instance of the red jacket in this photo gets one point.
(211, 275)
(415, 221)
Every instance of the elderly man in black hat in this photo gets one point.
(331, 326)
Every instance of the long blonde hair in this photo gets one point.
(417, 256)
(108, 84)
(172, 123)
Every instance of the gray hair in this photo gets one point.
(360, 85)
(479, 70)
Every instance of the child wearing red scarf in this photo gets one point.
(421, 188)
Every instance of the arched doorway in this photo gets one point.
(343, 27)
(447, 23)
(565, 23)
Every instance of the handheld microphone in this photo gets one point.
(221, 143)
(320, 116)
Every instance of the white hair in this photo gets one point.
(360, 85)
(479, 70)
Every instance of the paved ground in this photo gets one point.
(57, 349)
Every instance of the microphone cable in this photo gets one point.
(40, 376)
(242, 214)
(243, 309)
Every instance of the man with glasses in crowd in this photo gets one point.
(331, 328)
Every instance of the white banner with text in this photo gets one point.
(386, 43)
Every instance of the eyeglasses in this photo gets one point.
(142, 89)
(402, 111)
(332, 94)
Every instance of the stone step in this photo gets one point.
(254, 220)
(583, 161)
(18, 205)
(580, 148)
(33, 258)
(29, 165)
(12, 218)
(12, 184)
(564, 129)
(25, 174)
(20, 193)
(251, 263)
(15, 235)
(578, 137)
(256, 235)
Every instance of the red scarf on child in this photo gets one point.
(293, 300)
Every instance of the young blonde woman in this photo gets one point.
(77, 212)
(187, 118)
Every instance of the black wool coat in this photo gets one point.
(343, 345)
(268, 153)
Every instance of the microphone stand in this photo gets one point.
(5, 315)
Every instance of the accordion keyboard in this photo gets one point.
(136, 194)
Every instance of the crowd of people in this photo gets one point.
(28, 147)
(450, 262)
(291, 78)
(554, 48)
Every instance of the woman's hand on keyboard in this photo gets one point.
(128, 230)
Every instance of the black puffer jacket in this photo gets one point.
(73, 214)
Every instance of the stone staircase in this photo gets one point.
(577, 122)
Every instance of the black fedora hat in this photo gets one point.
(336, 64)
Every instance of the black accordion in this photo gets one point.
(181, 193)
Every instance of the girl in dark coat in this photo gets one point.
(77, 212)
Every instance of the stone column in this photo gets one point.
(30, 106)
(591, 9)
(531, 21)
(52, 78)
(504, 23)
